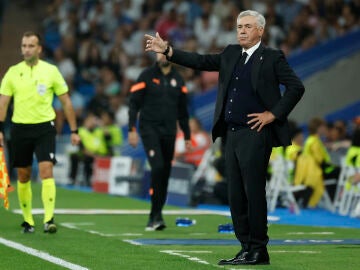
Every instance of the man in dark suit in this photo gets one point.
(251, 112)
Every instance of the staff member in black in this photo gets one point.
(160, 96)
(251, 112)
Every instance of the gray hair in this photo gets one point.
(259, 17)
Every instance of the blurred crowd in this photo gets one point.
(320, 151)
(98, 45)
(318, 156)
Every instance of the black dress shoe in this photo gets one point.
(255, 257)
(238, 257)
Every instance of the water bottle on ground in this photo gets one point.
(184, 222)
(226, 228)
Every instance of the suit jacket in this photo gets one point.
(269, 70)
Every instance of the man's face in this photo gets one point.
(30, 48)
(248, 31)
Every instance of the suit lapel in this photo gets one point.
(258, 58)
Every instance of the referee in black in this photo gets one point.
(160, 98)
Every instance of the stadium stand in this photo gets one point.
(315, 36)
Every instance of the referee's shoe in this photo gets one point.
(50, 226)
(27, 228)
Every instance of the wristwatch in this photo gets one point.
(167, 50)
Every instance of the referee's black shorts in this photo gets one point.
(27, 139)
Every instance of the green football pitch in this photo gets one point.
(98, 231)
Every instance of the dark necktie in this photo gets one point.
(243, 58)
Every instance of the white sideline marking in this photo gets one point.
(75, 226)
(325, 241)
(196, 259)
(40, 211)
(296, 251)
(132, 242)
(42, 255)
(180, 254)
(313, 233)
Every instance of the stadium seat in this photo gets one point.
(279, 185)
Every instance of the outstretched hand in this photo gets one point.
(155, 44)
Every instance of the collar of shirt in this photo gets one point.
(251, 50)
